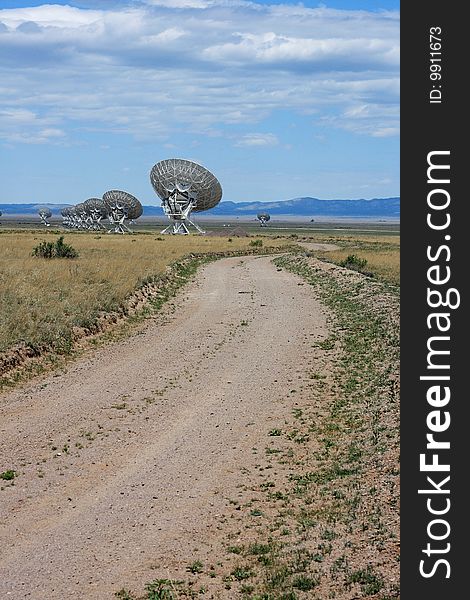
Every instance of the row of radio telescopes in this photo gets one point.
(182, 185)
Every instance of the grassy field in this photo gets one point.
(43, 299)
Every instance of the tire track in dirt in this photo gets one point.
(125, 459)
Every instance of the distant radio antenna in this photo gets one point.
(85, 215)
(66, 216)
(81, 216)
(121, 207)
(96, 211)
(263, 218)
(45, 214)
(184, 187)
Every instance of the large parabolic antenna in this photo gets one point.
(121, 206)
(95, 211)
(263, 218)
(184, 187)
(117, 206)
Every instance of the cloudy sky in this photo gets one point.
(279, 99)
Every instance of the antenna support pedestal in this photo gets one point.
(177, 207)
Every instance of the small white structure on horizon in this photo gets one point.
(263, 218)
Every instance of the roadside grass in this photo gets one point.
(383, 263)
(44, 302)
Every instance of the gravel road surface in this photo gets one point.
(124, 459)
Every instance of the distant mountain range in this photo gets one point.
(305, 207)
(378, 207)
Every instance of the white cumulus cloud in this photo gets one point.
(258, 139)
(162, 66)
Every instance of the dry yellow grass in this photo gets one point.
(385, 264)
(43, 299)
(381, 252)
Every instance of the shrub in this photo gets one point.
(256, 243)
(57, 249)
(354, 262)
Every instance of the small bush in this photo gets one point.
(57, 249)
(354, 262)
(8, 475)
(256, 243)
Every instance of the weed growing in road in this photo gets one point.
(195, 567)
(123, 594)
(8, 475)
(162, 589)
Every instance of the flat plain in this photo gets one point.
(239, 439)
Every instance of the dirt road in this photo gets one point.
(124, 460)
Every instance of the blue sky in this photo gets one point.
(278, 99)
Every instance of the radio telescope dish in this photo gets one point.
(66, 216)
(135, 211)
(95, 210)
(81, 216)
(263, 218)
(45, 214)
(121, 206)
(184, 187)
(71, 218)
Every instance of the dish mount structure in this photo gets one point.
(45, 214)
(263, 218)
(121, 207)
(184, 187)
